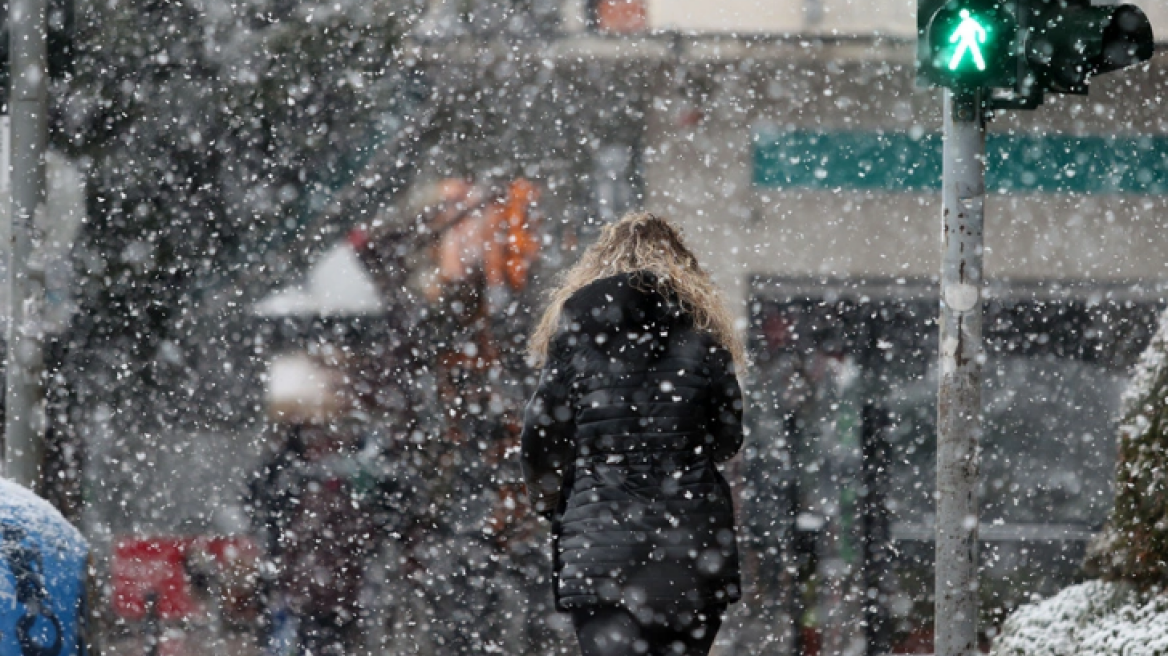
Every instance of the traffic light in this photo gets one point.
(1068, 41)
(1026, 48)
(969, 44)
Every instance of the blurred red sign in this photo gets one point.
(622, 16)
(156, 571)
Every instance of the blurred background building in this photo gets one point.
(375, 277)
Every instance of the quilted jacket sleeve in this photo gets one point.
(726, 406)
(549, 426)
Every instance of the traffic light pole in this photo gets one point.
(24, 420)
(1022, 49)
(959, 395)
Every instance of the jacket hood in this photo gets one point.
(628, 304)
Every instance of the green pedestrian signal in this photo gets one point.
(969, 37)
(967, 44)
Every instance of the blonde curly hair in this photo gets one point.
(641, 241)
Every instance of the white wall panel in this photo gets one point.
(825, 17)
(738, 16)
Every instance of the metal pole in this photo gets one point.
(959, 396)
(24, 420)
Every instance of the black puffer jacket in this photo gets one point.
(634, 408)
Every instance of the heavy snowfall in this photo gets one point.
(293, 253)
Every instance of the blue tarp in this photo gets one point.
(42, 577)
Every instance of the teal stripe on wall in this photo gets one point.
(1017, 163)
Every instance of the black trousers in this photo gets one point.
(614, 631)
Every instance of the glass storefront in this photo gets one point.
(841, 464)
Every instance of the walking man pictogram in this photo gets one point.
(967, 36)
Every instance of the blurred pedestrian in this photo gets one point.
(637, 404)
(312, 502)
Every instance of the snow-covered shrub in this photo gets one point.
(1134, 544)
(1096, 618)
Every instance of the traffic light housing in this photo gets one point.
(1025, 48)
(1069, 41)
(969, 44)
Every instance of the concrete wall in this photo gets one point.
(844, 17)
(701, 175)
(827, 17)
(751, 16)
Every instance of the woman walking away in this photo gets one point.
(637, 403)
